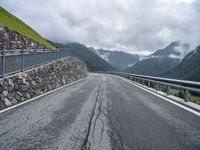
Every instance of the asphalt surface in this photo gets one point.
(101, 112)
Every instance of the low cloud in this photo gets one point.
(136, 26)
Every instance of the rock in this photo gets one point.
(10, 88)
(2, 28)
(17, 97)
(10, 96)
(20, 94)
(16, 86)
(2, 97)
(23, 88)
(20, 76)
(1, 82)
(33, 83)
(23, 80)
(2, 106)
(19, 81)
(14, 101)
(5, 87)
(5, 93)
(28, 95)
(27, 84)
(34, 72)
(39, 80)
(24, 75)
(1, 89)
(7, 102)
(10, 82)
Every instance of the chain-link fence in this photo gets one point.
(13, 61)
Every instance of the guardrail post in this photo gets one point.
(23, 60)
(143, 82)
(3, 65)
(35, 57)
(149, 84)
(168, 90)
(156, 86)
(136, 80)
(186, 95)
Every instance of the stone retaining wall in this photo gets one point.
(23, 86)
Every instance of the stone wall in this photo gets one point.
(23, 86)
(10, 40)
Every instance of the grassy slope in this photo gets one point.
(17, 25)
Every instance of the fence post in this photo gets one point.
(186, 95)
(56, 55)
(156, 86)
(3, 65)
(149, 84)
(35, 57)
(143, 82)
(60, 54)
(23, 60)
(168, 90)
(44, 56)
(136, 80)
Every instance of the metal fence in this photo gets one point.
(13, 61)
(156, 83)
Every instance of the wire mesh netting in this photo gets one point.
(12, 61)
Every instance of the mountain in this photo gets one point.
(118, 59)
(92, 60)
(13, 23)
(189, 68)
(160, 61)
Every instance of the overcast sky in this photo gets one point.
(130, 25)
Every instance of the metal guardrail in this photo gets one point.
(186, 86)
(13, 61)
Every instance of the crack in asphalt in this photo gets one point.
(115, 135)
(86, 144)
(99, 102)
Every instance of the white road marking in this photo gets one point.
(32, 99)
(160, 96)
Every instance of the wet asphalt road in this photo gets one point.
(100, 112)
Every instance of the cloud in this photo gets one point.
(136, 26)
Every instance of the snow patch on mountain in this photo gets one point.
(103, 55)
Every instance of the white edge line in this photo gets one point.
(160, 96)
(32, 99)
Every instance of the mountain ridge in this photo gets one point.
(189, 67)
(118, 59)
(160, 61)
(92, 60)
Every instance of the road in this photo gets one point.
(101, 112)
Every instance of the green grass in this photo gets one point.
(195, 99)
(180, 94)
(17, 25)
(177, 93)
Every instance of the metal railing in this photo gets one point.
(156, 82)
(13, 61)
